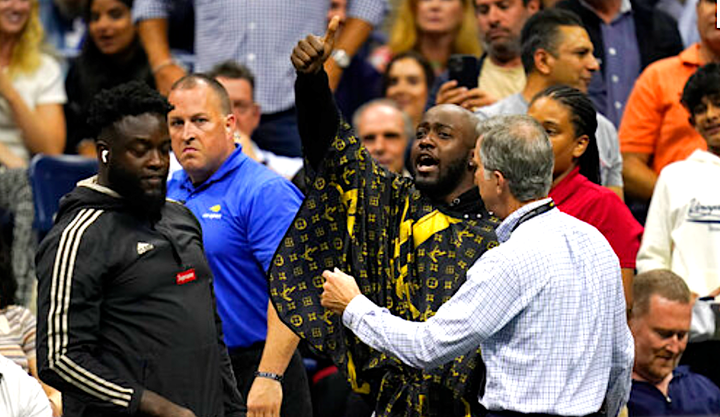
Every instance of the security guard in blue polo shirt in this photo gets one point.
(244, 209)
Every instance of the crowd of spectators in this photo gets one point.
(628, 92)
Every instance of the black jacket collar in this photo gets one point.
(467, 205)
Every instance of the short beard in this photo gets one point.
(503, 52)
(140, 202)
(446, 182)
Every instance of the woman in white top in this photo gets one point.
(31, 88)
(31, 121)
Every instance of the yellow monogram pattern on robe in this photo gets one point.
(406, 255)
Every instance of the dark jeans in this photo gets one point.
(296, 389)
(278, 133)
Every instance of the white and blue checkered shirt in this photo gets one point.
(546, 307)
(260, 34)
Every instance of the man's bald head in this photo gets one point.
(191, 81)
(461, 117)
(442, 152)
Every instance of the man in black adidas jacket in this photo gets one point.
(126, 312)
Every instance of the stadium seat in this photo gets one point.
(51, 177)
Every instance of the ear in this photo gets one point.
(471, 160)
(501, 183)
(230, 125)
(633, 324)
(100, 147)
(543, 61)
(102, 152)
(533, 6)
(581, 145)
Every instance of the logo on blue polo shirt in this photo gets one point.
(214, 213)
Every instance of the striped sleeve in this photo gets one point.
(27, 326)
(70, 269)
(17, 335)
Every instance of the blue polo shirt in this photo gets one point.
(689, 394)
(244, 209)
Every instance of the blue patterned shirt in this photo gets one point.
(260, 34)
(547, 309)
(610, 88)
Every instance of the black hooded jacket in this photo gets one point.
(127, 304)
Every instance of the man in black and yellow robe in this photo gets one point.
(408, 244)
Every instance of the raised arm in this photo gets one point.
(351, 38)
(317, 113)
(363, 16)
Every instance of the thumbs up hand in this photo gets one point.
(311, 53)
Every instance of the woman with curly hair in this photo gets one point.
(31, 89)
(434, 28)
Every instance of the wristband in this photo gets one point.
(165, 63)
(269, 375)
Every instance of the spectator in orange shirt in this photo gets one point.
(655, 130)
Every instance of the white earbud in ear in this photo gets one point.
(103, 156)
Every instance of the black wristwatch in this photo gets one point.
(269, 375)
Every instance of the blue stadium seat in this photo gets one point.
(51, 177)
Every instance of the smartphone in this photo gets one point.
(464, 70)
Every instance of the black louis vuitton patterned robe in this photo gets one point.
(407, 253)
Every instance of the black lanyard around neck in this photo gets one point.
(534, 213)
